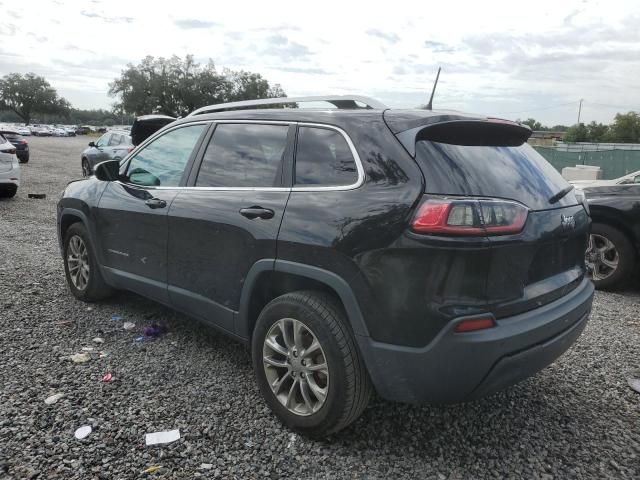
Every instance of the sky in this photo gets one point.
(507, 58)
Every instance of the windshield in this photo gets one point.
(517, 173)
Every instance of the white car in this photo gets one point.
(60, 132)
(24, 131)
(9, 169)
(630, 179)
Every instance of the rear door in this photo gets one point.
(228, 218)
(546, 259)
(132, 212)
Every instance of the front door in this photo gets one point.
(132, 212)
(230, 220)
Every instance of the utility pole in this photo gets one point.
(580, 110)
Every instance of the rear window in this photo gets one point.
(513, 172)
(323, 158)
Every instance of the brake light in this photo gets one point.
(474, 324)
(469, 217)
(12, 151)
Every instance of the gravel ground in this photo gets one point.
(576, 419)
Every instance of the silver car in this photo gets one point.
(112, 145)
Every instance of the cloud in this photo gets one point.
(193, 23)
(106, 18)
(308, 70)
(281, 47)
(387, 36)
(439, 47)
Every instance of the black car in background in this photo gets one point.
(433, 256)
(18, 141)
(614, 247)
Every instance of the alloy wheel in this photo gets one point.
(295, 367)
(78, 262)
(601, 257)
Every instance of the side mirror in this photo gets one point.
(92, 144)
(108, 171)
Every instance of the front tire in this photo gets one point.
(610, 257)
(81, 267)
(307, 365)
(86, 168)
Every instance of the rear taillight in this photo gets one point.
(469, 217)
(475, 324)
(12, 151)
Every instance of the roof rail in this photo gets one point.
(340, 101)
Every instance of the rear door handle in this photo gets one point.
(155, 203)
(257, 212)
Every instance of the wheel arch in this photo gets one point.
(611, 217)
(269, 279)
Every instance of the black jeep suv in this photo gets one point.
(433, 256)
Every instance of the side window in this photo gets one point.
(244, 155)
(103, 141)
(162, 162)
(323, 157)
(115, 140)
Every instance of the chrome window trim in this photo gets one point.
(329, 188)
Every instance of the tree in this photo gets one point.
(533, 124)
(597, 132)
(577, 133)
(625, 128)
(28, 94)
(177, 86)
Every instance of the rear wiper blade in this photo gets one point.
(560, 194)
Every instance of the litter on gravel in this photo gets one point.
(98, 340)
(107, 377)
(634, 383)
(156, 438)
(128, 326)
(152, 469)
(116, 318)
(50, 400)
(80, 357)
(83, 432)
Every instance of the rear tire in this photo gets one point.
(8, 192)
(324, 400)
(81, 267)
(610, 257)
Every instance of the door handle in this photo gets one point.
(257, 212)
(155, 203)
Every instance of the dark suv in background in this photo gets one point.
(431, 255)
(18, 141)
(113, 145)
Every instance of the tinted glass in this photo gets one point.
(162, 162)
(518, 173)
(103, 141)
(244, 155)
(11, 136)
(323, 158)
(115, 140)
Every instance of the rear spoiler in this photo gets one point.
(466, 131)
(145, 126)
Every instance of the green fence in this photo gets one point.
(614, 163)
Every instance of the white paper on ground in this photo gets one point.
(634, 383)
(82, 432)
(162, 437)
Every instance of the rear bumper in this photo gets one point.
(457, 367)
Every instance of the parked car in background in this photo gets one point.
(114, 145)
(83, 130)
(9, 169)
(21, 145)
(42, 131)
(629, 179)
(352, 248)
(60, 132)
(24, 131)
(613, 253)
